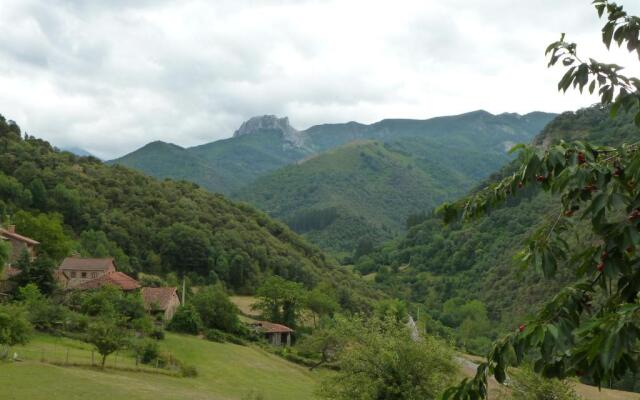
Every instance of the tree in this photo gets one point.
(382, 361)
(186, 320)
(107, 337)
(14, 326)
(321, 304)
(215, 309)
(39, 272)
(280, 300)
(48, 229)
(575, 335)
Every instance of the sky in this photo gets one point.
(109, 76)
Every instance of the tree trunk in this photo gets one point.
(104, 360)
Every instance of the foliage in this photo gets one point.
(146, 350)
(4, 255)
(107, 337)
(215, 309)
(47, 229)
(321, 303)
(527, 385)
(589, 328)
(186, 320)
(383, 362)
(280, 301)
(38, 272)
(14, 326)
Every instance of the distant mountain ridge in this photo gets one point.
(266, 143)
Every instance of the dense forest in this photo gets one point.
(78, 204)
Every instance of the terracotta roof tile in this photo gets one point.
(119, 279)
(87, 264)
(13, 235)
(270, 327)
(158, 298)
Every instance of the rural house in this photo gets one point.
(76, 270)
(276, 334)
(161, 302)
(18, 243)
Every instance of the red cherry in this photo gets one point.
(581, 158)
(521, 328)
(520, 185)
(630, 249)
(601, 267)
(540, 178)
(604, 255)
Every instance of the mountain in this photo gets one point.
(266, 143)
(449, 268)
(72, 203)
(363, 192)
(357, 193)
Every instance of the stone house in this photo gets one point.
(276, 334)
(161, 302)
(75, 271)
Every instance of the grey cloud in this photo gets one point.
(112, 75)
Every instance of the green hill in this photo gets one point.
(225, 371)
(356, 193)
(78, 203)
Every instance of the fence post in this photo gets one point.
(93, 362)
(115, 363)
(42, 356)
(67, 360)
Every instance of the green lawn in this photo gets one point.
(226, 371)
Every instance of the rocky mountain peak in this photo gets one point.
(271, 123)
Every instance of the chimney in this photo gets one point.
(11, 228)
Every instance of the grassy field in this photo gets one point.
(244, 304)
(226, 372)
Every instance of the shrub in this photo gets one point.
(216, 310)
(215, 335)
(527, 385)
(146, 350)
(186, 320)
(188, 371)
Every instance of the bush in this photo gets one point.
(527, 385)
(216, 310)
(146, 350)
(188, 371)
(215, 335)
(186, 320)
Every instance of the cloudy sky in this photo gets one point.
(111, 75)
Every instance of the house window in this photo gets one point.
(73, 274)
(84, 274)
(94, 274)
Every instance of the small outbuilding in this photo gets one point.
(18, 243)
(276, 334)
(161, 302)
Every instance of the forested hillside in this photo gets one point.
(355, 195)
(465, 276)
(72, 203)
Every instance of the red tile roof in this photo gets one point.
(118, 279)
(270, 327)
(8, 234)
(158, 298)
(87, 264)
